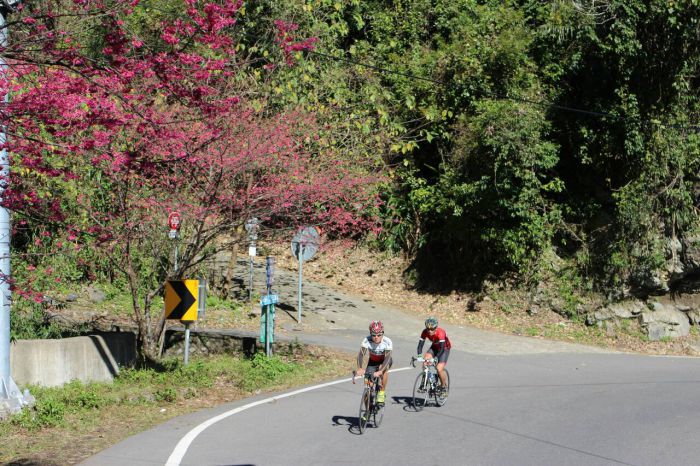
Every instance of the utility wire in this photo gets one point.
(564, 108)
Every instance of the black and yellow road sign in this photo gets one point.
(181, 299)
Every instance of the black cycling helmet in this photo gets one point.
(431, 323)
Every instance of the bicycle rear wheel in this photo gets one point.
(420, 392)
(440, 399)
(364, 410)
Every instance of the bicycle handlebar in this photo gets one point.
(415, 359)
(354, 375)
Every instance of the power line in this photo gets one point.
(564, 108)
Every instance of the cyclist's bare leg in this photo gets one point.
(441, 373)
(385, 376)
(385, 379)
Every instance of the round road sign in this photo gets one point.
(174, 220)
(308, 239)
(252, 225)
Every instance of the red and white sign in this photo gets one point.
(174, 220)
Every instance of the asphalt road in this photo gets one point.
(513, 400)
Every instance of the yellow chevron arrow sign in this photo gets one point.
(181, 299)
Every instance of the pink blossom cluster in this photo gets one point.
(104, 145)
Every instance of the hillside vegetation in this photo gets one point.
(548, 145)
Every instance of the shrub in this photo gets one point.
(166, 394)
(263, 371)
(32, 322)
(48, 412)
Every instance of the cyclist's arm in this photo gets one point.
(362, 358)
(421, 342)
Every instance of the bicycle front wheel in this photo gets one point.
(420, 392)
(441, 398)
(364, 410)
(378, 414)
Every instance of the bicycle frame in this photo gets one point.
(427, 384)
(368, 402)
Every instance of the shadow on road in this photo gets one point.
(290, 310)
(350, 421)
(244, 464)
(405, 401)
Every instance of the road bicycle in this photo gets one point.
(369, 408)
(428, 384)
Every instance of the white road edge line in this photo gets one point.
(183, 445)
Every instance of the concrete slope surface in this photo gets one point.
(330, 317)
(513, 400)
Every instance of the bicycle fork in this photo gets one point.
(430, 382)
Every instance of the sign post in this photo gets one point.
(267, 316)
(267, 321)
(305, 243)
(186, 357)
(300, 255)
(252, 226)
(174, 222)
(182, 303)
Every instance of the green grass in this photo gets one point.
(140, 398)
(166, 384)
(215, 302)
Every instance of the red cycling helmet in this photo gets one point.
(376, 328)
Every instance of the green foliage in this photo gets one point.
(216, 302)
(506, 180)
(173, 372)
(270, 367)
(54, 404)
(49, 411)
(483, 175)
(262, 370)
(507, 164)
(167, 383)
(77, 396)
(165, 395)
(90, 400)
(569, 289)
(31, 322)
(155, 386)
(659, 203)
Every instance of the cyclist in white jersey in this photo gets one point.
(375, 357)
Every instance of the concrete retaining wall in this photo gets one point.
(217, 341)
(55, 362)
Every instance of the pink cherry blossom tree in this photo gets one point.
(108, 132)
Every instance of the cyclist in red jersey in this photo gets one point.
(439, 348)
(375, 355)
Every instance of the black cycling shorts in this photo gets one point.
(371, 368)
(443, 357)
